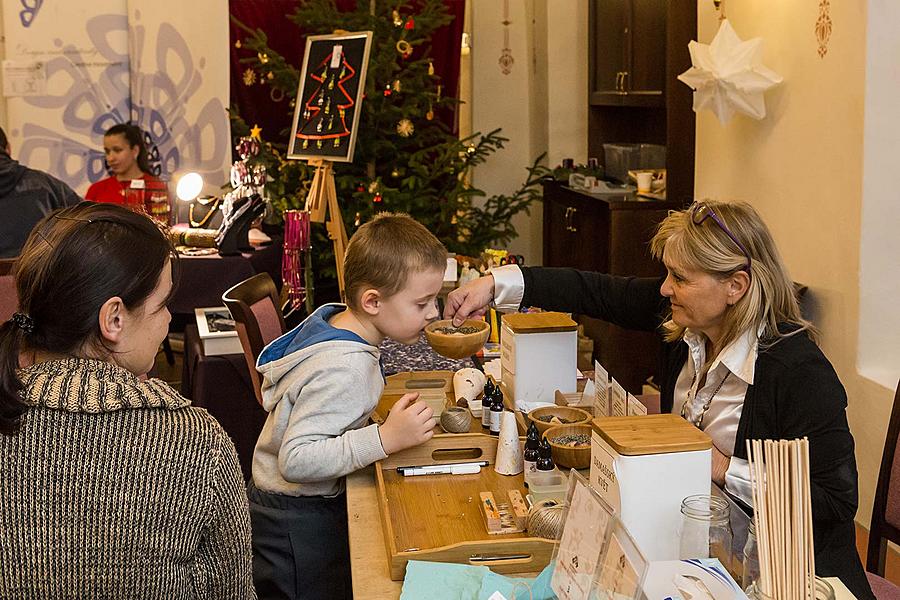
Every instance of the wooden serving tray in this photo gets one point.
(439, 517)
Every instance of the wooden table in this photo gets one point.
(368, 558)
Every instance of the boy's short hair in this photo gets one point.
(384, 252)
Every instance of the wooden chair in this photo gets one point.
(885, 525)
(256, 310)
(6, 265)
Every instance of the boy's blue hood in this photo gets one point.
(313, 330)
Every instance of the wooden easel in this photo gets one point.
(322, 203)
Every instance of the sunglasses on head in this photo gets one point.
(700, 212)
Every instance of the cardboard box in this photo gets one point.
(217, 331)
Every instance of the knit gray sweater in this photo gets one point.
(117, 488)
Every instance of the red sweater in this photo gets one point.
(113, 191)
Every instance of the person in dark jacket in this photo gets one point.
(740, 362)
(26, 196)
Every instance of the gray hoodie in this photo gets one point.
(320, 386)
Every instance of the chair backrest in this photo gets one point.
(7, 264)
(256, 310)
(886, 509)
(9, 299)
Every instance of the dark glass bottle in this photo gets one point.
(532, 446)
(545, 457)
(496, 412)
(486, 400)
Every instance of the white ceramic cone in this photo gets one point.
(509, 452)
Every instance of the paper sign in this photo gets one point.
(580, 546)
(336, 55)
(618, 579)
(21, 78)
(635, 406)
(601, 391)
(619, 400)
(603, 472)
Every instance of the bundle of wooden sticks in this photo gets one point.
(779, 471)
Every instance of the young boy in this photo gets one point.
(321, 383)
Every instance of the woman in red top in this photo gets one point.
(126, 155)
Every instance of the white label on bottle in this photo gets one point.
(336, 55)
(495, 420)
(486, 415)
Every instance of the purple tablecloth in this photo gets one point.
(203, 279)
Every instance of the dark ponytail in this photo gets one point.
(11, 407)
(75, 260)
(135, 137)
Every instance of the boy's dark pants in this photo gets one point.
(300, 546)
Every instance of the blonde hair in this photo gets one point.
(770, 300)
(385, 252)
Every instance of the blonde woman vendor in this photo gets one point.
(741, 363)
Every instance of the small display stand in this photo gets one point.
(596, 557)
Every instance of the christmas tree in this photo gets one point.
(407, 159)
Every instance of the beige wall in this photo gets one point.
(802, 168)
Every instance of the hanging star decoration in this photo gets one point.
(249, 77)
(728, 76)
(255, 131)
(405, 127)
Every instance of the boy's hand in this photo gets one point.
(408, 424)
(472, 299)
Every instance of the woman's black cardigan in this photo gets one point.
(795, 393)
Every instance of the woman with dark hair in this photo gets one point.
(110, 486)
(127, 158)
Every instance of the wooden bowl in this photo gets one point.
(457, 345)
(569, 457)
(574, 416)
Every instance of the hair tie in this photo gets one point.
(23, 322)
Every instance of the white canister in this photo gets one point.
(644, 466)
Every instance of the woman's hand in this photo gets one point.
(472, 299)
(720, 464)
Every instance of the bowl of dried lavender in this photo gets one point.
(570, 445)
(457, 342)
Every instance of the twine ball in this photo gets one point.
(545, 520)
(456, 420)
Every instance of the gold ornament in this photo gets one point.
(405, 127)
(249, 77)
(255, 131)
(430, 68)
(237, 44)
(373, 187)
(471, 150)
(397, 86)
(398, 20)
(404, 48)
(263, 57)
(395, 173)
(270, 75)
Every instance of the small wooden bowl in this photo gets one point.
(569, 457)
(574, 416)
(457, 345)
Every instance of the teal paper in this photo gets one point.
(538, 586)
(441, 581)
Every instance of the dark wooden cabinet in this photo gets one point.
(628, 52)
(609, 235)
(647, 41)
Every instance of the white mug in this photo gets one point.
(644, 181)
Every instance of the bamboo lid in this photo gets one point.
(542, 322)
(650, 434)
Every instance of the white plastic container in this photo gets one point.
(538, 355)
(644, 466)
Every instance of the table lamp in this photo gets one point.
(188, 190)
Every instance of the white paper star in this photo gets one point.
(728, 75)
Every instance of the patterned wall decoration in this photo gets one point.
(823, 27)
(96, 64)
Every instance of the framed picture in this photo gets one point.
(329, 96)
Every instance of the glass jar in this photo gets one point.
(824, 591)
(750, 572)
(705, 530)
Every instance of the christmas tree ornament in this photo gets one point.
(377, 199)
(373, 187)
(387, 90)
(237, 44)
(398, 20)
(357, 220)
(277, 95)
(405, 127)
(404, 48)
(471, 150)
(255, 133)
(397, 86)
(728, 76)
(410, 23)
(430, 68)
(270, 75)
(395, 173)
(430, 114)
(263, 57)
(249, 77)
